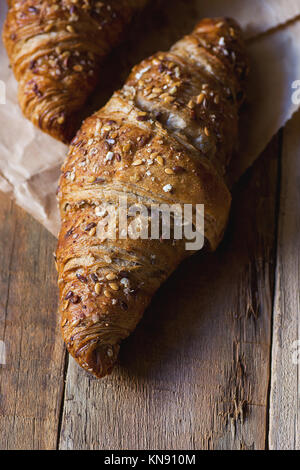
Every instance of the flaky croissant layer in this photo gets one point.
(56, 48)
(165, 138)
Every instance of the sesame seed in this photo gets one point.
(97, 288)
(110, 352)
(125, 282)
(91, 179)
(169, 99)
(61, 120)
(95, 318)
(109, 156)
(200, 98)
(137, 163)
(107, 293)
(100, 211)
(111, 276)
(70, 28)
(160, 160)
(206, 131)
(169, 171)
(113, 286)
(167, 188)
(126, 147)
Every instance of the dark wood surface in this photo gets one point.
(195, 374)
(210, 366)
(31, 382)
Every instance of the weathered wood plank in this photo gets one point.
(285, 387)
(32, 379)
(195, 373)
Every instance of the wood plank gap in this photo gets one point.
(277, 208)
(9, 270)
(62, 402)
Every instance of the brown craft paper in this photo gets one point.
(30, 161)
(255, 16)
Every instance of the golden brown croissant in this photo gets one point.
(166, 137)
(56, 48)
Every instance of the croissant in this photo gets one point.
(56, 48)
(165, 138)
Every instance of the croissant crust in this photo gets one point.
(56, 48)
(166, 137)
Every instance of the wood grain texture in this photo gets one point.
(195, 373)
(31, 381)
(285, 386)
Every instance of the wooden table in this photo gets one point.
(212, 364)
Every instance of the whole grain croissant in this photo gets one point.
(166, 137)
(56, 48)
